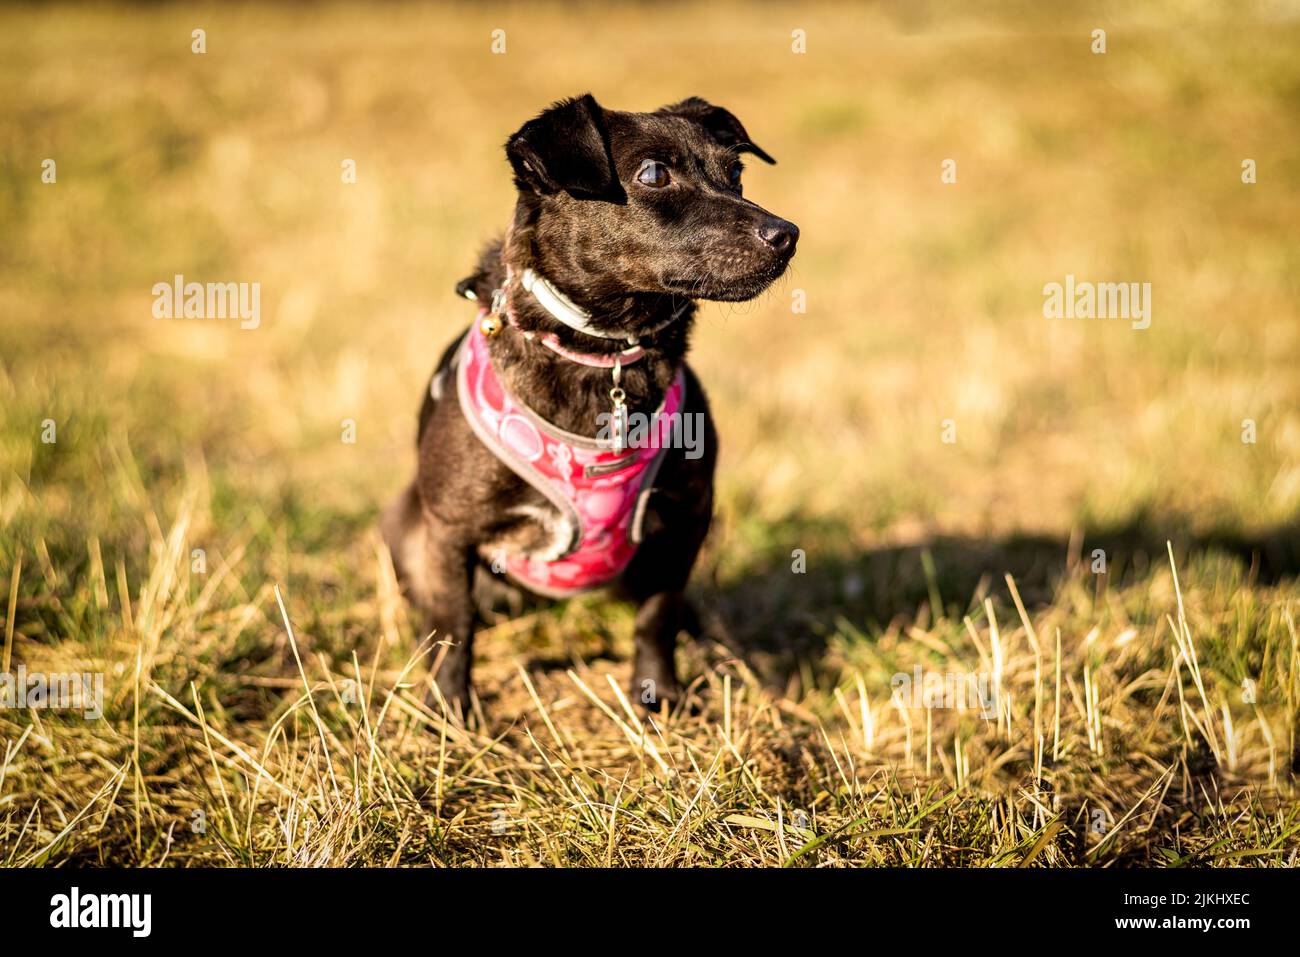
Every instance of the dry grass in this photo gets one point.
(293, 731)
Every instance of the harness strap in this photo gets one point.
(600, 493)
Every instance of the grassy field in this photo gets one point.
(1146, 714)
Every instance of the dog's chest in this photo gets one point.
(578, 525)
(536, 529)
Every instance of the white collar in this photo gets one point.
(562, 308)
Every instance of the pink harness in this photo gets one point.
(602, 493)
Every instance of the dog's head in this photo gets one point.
(646, 202)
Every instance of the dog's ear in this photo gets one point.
(720, 124)
(566, 148)
(475, 287)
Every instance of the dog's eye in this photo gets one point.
(653, 173)
(734, 174)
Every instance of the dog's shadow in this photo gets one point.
(778, 612)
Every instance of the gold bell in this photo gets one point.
(490, 325)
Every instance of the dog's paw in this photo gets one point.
(655, 693)
(450, 699)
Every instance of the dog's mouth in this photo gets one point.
(727, 288)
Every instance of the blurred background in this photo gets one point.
(924, 298)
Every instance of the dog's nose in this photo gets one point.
(780, 235)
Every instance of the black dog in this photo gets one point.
(623, 219)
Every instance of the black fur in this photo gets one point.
(632, 255)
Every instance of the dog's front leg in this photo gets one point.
(436, 571)
(654, 677)
(676, 523)
(450, 619)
